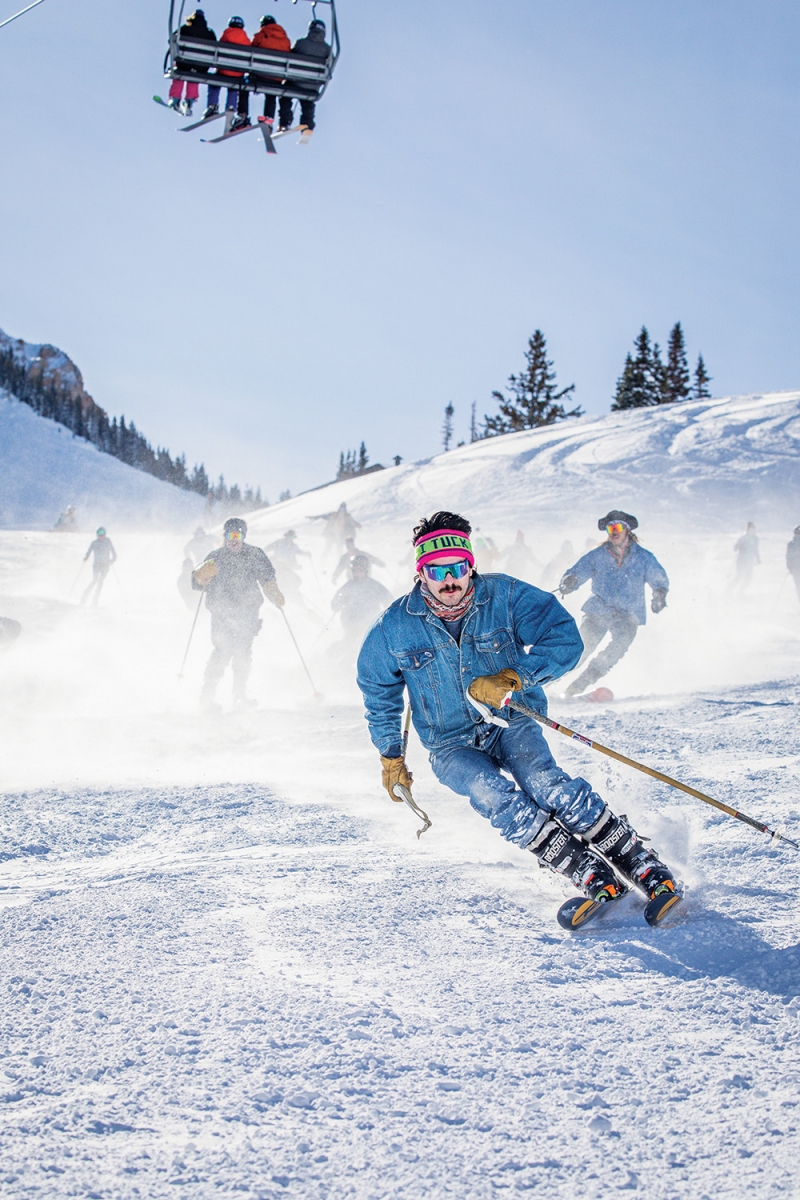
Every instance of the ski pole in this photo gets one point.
(21, 13)
(119, 581)
(404, 792)
(77, 577)
(191, 635)
(299, 654)
(775, 834)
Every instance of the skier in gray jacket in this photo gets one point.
(619, 570)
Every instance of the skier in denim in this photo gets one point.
(461, 643)
(618, 569)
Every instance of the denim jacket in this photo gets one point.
(619, 586)
(510, 624)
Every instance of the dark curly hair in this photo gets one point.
(441, 520)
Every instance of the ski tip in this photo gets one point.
(657, 908)
(601, 695)
(574, 912)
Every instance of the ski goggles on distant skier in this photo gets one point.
(616, 527)
(234, 535)
(442, 542)
(439, 572)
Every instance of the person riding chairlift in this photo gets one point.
(237, 98)
(272, 36)
(313, 45)
(194, 28)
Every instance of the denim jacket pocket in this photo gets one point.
(494, 643)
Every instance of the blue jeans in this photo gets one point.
(543, 790)
(231, 99)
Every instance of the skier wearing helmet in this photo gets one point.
(272, 36)
(104, 556)
(237, 98)
(235, 579)
(619, 568)
(313, 45)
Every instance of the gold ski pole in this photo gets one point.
(775, 834)
(404, 792)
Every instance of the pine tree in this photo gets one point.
(363, 459)
(678, 377)
(473, 424)
(535, 401)
(447, 428)
(701, 381)
(643, 380)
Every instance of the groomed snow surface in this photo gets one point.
(229, 966)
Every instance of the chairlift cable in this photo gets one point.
(21, 13)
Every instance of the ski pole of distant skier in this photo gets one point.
(775, 834)
(299, 654)
(119, 581)
(191, 635)
(404, 792)
(77, 577)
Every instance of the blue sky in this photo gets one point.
(478, 171)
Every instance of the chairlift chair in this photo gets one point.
(265, 71)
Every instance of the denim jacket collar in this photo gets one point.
(416, 606)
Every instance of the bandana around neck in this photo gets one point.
(447, 612)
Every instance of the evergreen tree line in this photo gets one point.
(121, 440)
(535, 399)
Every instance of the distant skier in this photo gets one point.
(557, 565)
(66, 520)
(232, 578)
(9, 630)
(104, 558)
(339, 526)
(793, 559)
(519, 560)
(199, 545)
(747, 557)
(313, 45)
(460, 635)
(286, 555)
(619, 569)
(358, 602)
(346, 561)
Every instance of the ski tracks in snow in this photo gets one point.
(220, 990)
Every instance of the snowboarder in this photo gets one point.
(747, 556)
(358, 602)
(104, 558)
(793, 559)
(194, 28)
(519, 560)
(619, 568)
(230, 577)
(313, 45)
(460, 638)
(346, 561)
(272, 36)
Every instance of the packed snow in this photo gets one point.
(230, 966)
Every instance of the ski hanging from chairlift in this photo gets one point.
(239, 67)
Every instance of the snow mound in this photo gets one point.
(44, 467)
(716, 463)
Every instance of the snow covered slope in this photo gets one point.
(44, 467)
(714, 462)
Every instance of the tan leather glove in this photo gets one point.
(273, 593)
(205, 572)
(493, 689)
(396, 771)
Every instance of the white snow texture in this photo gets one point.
(231, 969)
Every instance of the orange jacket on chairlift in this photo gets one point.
(241, 39)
